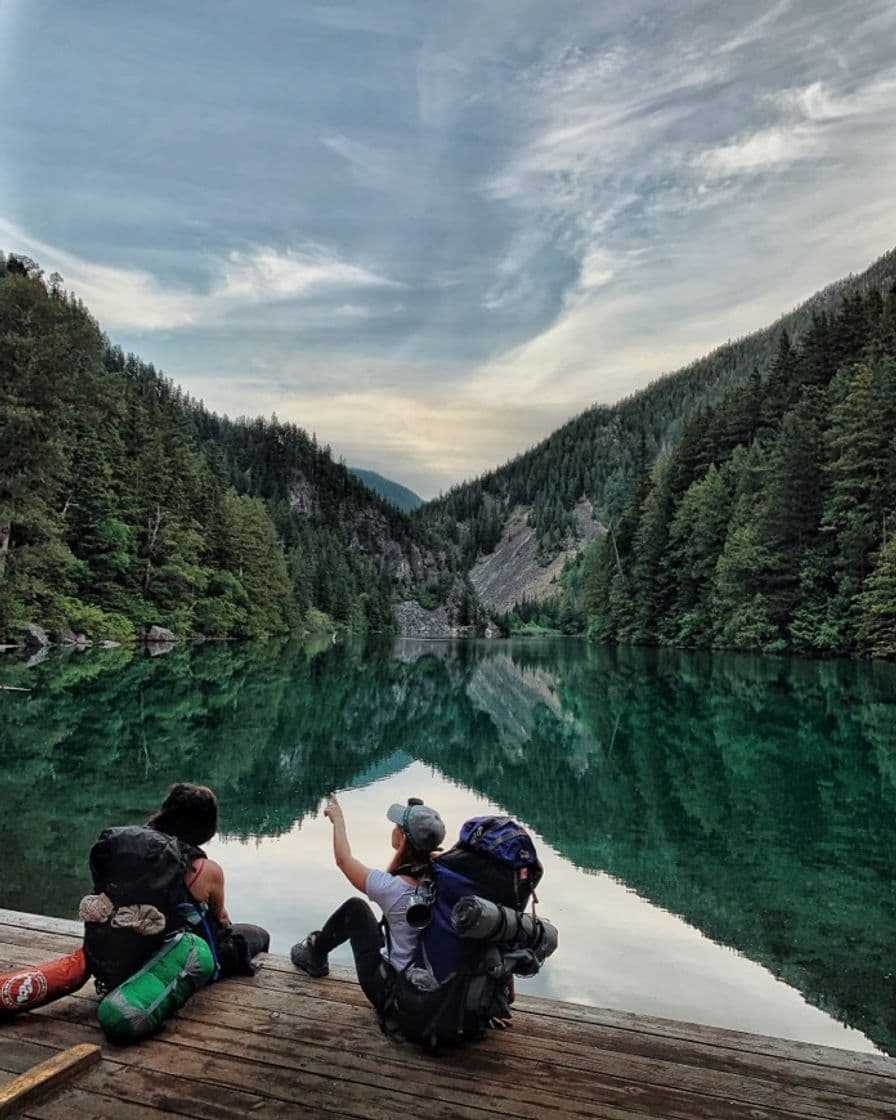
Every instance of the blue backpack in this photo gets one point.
(455, 985)
(495, 859)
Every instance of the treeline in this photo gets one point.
(598, 454)
(123, 503)
(770, 525)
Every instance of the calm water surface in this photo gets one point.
(717, 831)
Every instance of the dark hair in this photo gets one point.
(410, 861)
(188, 812)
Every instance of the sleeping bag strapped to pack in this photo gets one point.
(456, 984)
(141, 898)
(38, 984)
(141, 1004)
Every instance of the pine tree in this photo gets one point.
(876, 629)
(696, 539)
(790, 510)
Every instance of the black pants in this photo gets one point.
(354, 921)
(236, 945)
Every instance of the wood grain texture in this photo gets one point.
(281, 1044)
(45, 1078)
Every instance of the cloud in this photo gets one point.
(756, 30)
(819, 103)
(768, 148)
(266, 275)
(118, 297)
(806, 128)
(519, 210)
(133, 299)
(430, 437)
(371, 164)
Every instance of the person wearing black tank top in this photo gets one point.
(190, 814)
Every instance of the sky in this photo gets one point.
(431, 233)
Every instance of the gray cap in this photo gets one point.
(422, 826)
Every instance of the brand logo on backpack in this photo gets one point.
(23, 989)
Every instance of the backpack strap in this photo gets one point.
(198, 871)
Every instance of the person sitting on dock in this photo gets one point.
(417, 833)
(149, 881)
(190, 813)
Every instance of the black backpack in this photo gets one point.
(135, 865)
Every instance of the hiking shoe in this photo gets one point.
(304, 956)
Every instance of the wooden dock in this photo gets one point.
(281, 1045)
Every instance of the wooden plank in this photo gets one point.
(41, 923)
(46, 1078)
(167, 1094)
(78, 1103)
(280, 972)
(525, 1088)
(610, 1064)
(565, 1055)
(326, 1090)
(286, 1070)
(593, 1050)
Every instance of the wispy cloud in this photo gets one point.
(437, 231)
(760, 151)
(266, 275)
(129, 298)
(119, 297)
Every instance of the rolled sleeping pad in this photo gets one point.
(41, 983)
(142, 1003)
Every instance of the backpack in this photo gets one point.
(455, 985)
(134, 867)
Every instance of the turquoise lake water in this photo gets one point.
(717, 831)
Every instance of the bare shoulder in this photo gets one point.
(206, 872)
(214, 870)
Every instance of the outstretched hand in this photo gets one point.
(333, 810)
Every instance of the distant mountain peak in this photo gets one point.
(391, 491)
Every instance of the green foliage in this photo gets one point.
(393, 492)
(877, 603)
(765, 528)
(600, 455)
(123, 503)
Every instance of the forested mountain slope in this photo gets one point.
(124, 503)
(597, 455)
(772, 524)
(393, 492)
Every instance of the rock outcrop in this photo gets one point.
(512, 572)
(35, 637)
(406, 562)
(67, 637)
(415, 621)
(158, 634)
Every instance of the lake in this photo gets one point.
(717, 831)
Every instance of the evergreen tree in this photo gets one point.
(876, 629)
(696, 538)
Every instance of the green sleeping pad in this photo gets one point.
(145, 1000)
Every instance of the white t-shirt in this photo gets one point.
(392, 894)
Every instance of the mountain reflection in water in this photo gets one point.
(754, 797)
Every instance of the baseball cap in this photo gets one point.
(422, 826)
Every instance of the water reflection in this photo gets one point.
(752, 796)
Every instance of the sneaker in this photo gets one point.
(304, 956)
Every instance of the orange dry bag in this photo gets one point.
(25, 988)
